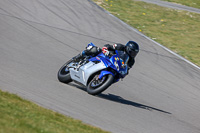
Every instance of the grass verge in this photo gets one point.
(177, 30)
(191, 3)
(21, 116)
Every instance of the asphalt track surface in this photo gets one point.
(160, 95)
(172, 5)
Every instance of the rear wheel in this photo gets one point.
(64, 74)
(97, 85)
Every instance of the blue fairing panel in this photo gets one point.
(103, 73)
(94, 59)
(102, 58)
(106, 60)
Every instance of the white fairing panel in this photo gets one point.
(82, 75)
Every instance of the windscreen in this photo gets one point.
(124, 56)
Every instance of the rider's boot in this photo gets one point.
(78, 58)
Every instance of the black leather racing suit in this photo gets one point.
(93, 51)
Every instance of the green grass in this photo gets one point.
(177, 30)
(191, 3)
(21, 116)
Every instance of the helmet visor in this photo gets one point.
(132, 52)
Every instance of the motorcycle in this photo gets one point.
(95, 73)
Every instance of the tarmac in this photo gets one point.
(161, 94)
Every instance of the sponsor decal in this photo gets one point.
(97, 58)
(116, 58)
(77, 76)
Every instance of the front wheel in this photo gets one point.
(63, 74)
(97, 85)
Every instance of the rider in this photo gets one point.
(131, 48)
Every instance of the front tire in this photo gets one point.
(97, 88)
(63, 75)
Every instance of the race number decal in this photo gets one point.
(116, 65)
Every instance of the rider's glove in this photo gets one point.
(105, 51)
(114, 46)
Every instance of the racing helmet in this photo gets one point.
(132, 49)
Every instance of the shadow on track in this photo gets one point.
(119, 99)
(78, 85)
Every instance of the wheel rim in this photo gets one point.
(97, 82)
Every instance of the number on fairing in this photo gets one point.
(116, 65)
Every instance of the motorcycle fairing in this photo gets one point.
(114, 62)
(107, 61)
(82, 75)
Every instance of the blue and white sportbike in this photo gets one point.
(95, 73)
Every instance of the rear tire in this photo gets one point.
(108, 80)
(63, 75)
